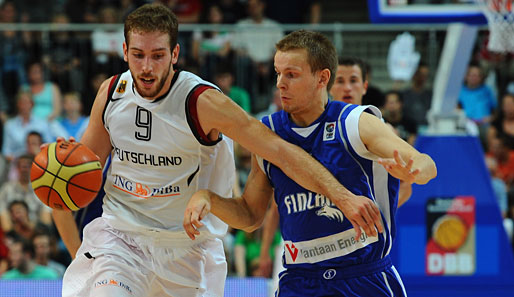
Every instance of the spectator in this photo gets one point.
(19, 217)
(13, 45)
(247, 250)
(81, 11)
(500, 191)
(374, 96)
(418, 97)
(73, 123)
(351, 82)
(107, 44)
(477, 99)
(187, 11)
(42, 242)
(254, 41)
(4, 251)
(504, 158)
(93, 86)
(20, 190)
(224, 79)
(392, 110)
(21, 253)
(305, 11)
(34, 142)
(45, 94)
(17, 128)
(274, 105)
(503, 123)
(212, 49)
(233, 10)
(63, 57)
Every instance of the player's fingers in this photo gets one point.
(409, 164)
(204, 212)
(398, 158)
(195, 219)
(357, 229)
(370, 223)
(375, 216)
(186, 223)
(363, 224)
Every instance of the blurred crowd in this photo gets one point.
(48, 83)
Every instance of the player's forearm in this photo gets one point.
(427, 168)
(235, 212)
(309, 173)
(67, 230)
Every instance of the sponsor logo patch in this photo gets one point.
(112, 282)
(330, 131)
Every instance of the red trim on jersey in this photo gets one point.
(110, 85)
(193, 112)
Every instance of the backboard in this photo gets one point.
(425, 11)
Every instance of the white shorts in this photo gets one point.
(113, 263)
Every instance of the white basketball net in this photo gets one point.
(500, 16)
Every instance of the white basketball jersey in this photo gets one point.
(161, 157)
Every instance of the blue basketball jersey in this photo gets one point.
(315, 231)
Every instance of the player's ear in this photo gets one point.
(324, 77)
(174, 54)
(125, 51)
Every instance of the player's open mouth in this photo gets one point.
(147, 81)
(347, 98)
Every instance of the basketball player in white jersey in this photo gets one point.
(163, 130)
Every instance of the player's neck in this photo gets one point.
(310, 114)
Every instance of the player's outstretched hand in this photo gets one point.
(197, 208)
(363, 213)
(398, 168)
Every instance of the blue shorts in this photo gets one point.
(374, 279)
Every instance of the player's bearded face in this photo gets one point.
(150, 62)
(149, 85)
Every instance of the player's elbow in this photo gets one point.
(429, 173)
(254, 222)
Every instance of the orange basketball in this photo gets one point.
(66, 175)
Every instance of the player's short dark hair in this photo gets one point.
(321, 53)
(354, 61)
(152, 18)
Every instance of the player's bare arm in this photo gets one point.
(217, 112)
(96, 138)
(244, 213)
(68, 230)
(398, 157)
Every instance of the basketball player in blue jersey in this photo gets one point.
(350, 85)
(325, 254)
(165, 132)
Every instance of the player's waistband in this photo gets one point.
(155, 236)
(339, 273)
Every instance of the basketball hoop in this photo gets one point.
(500, 18)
